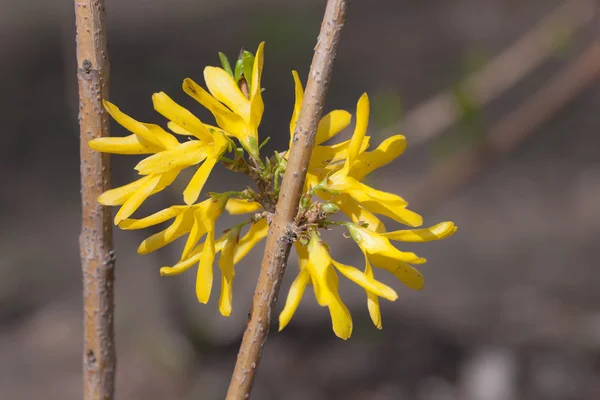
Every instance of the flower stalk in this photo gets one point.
(97, 255)
(280, 238)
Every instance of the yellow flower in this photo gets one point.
(197, 220)
(378, 249)
(145, 139)
(208, 147)
(317, 266)
(236, 114)
(233, 249)
(358, 164)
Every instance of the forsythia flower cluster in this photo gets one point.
(333, 183)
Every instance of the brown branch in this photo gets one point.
(511, 130)
(441, 111)
(97, 256)
(280, 236)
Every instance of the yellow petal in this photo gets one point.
(132, 125)
(193, 189)
(132, 144)
(180, 226)
(293, 298)
(256, 233)
(204, 280)
(436, 232)
(302, 255)
(177, 129)
(357, 213)
(118, 196)
(362, 121)
(154, 219)
(379, 202)
(387, 151)
(372, 299)
(226, 119)
(324, 155)
(240, 206)
(194, 258)
(227, 271)
(182, 117)
(367, 283)
(222, 86)
(199, 229)
(137, 198)
(165, 138)
(332, 124)
(185, 155)
(256, 102)
(407, 274)
(374, 243)
(340, 315)
(318, 265)
(297, 105)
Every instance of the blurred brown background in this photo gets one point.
(511, 306)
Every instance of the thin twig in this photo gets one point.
(504, 71)
(97, 255)
(280, 236)
(512, 130)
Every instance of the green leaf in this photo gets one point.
(239, 67)
(225, 64)
(248, 64)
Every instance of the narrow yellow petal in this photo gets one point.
(257, 106)
(240, 206)
(184, 265)
(194, 258)
(199, 229)
(119, 195)
(227, 271)
(322, 156)
(362, 122)
(257, 232)
(406, 273)
(297, 105)
(340, 315)
(372, 298)
(387, 151)
(177, 129)
(182, 117)
(374, 243)
(226, 119)
(332, 124)
(204, 279)
(367, 283)
(193, 189)
(185, 155)
(137, 198)
(131, 124)
(154, 219)
(436, 232)
(222, 86)
(181, 225)
(293, 298)
(357, 213)
(132, 144)
(319, 264)
(165, 138)
(302, 255)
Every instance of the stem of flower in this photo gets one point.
(281, 237)
(97, 254)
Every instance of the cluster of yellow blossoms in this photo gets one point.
(333, 183)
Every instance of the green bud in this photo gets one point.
(330, 208)
(225, 64)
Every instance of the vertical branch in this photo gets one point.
(97, 256)
(280, 236)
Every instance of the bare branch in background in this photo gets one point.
(280, 236)
(439, 113)
(511, 130)
(97, 255)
